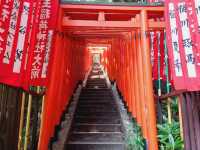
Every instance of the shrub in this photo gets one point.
(169, 136)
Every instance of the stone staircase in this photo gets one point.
(97, 123)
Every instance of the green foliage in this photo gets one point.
(134, 139)
(174, 107)
(169, 136)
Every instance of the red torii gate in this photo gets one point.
(96, 22)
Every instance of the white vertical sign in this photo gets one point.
(187, 41)
(197, 6)
(175, 41)
(21, 38)
(152, 47)
(11, 32)
(47, 53)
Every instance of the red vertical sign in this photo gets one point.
(5, 13)
(182, 50)
(14, 47)
(25, 44)
(40, 54)
(157, 52)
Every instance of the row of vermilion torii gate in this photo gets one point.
(70, 63)
(127, 62)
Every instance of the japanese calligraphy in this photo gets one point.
(47, 53)
(11, 31)
(152, 48)
(5, 12)
(42, 47)
(30, 35)
(21, 38)
(197, 6)
(177, 64)
(187, 41)
(175, 41)
(4, 18)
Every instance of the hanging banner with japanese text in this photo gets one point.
(26, 35)
(42, 49)
(183, 43)
(157, 54)
(13, 48)
(5, 13)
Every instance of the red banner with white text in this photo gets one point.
(26, 35)
(182, 20)
(14, 46)
(42, 47)
(157, 55)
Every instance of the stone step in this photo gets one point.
(97, 109)
(94, 102)
(96, 124)
(88, 146)
(96, 98)
(95, 94)
(99, 120)
(96, 83)
(96, 80)
(99, 106)
(97, 114)
(96, 87)
(96, 137)
(94, 111)
(97, 128)
(99, 89)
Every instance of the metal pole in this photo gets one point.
(180, 117)
(159, 76)
(167, 80)
(21, 120)
(42, 116)
(28, 121)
